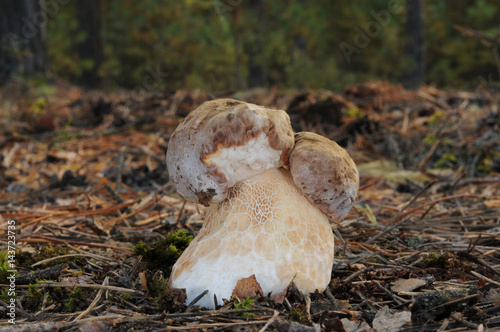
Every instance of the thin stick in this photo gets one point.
(308, 308)
(357, 273)
(196, 299)
(213, 325)
(66, 326)
(270, 321)
(96, 300)
(395, 298)
(480, 276)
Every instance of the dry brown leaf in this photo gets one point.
(247, 287)
(407, 285)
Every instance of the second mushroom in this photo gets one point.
(269, 194)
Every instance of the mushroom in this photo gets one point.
(269, 195)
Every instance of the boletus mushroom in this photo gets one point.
(269, 194)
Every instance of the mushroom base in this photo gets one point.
(265, 228)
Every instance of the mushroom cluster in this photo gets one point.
(269, 194)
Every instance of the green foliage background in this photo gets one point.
(205, 43)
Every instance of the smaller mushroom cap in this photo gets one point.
(325, 173)
(223, 142)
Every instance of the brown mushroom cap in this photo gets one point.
(223, 142)
(325, 173)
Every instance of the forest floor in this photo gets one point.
(83, 181)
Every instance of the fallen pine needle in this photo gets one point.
(75, 285)
(72, 255)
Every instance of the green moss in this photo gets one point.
(157, 285)
(125, 295)
(34, 298)
(299, 315)
(436, 118)
(74, 297)
(169, 300)
(435, 259)
(243, 305)
(4, 266)
(446, 159)
(162, 254)
(39, 106)
(355, 113)
(4, 295)
(429, 139)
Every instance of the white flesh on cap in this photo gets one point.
(265, 227)
(239, 163)
(226, 133)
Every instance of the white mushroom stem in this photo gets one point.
(265, 227)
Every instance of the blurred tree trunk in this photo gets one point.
(23, 38)
(90, 48)
(255, 48)
(416, 43)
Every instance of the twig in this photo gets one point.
(357, 273)
(96, 300)
(214, 325)
(452, 302)
(395, 298)
(180, 212)
(66, 326)
(270, 321)
(429, 154)
(31, 277)
(459, 319)
(480, 276)
(341, 239)
(332, 298)
(308, 308)
(478, 260)
(196, 299)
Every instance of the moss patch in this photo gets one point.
(162, 254)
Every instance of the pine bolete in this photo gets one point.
(268, 193)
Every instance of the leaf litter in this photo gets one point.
(85, 180)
